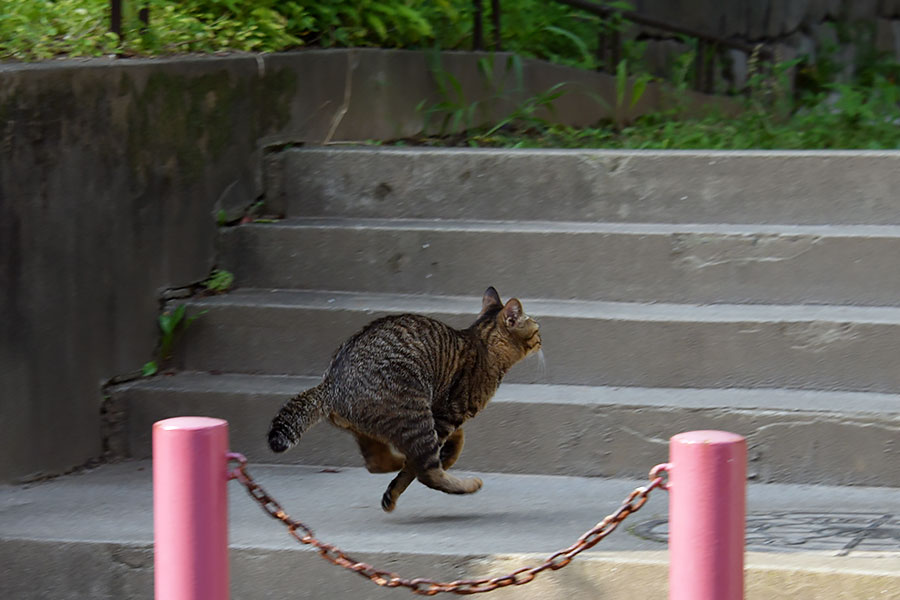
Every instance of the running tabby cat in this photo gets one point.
(404, 386)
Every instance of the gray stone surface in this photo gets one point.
(887, 37)
(115, 571)
(826, 37)
(760, 19)
(739, 67)
(794, 436)
(889, 8)
(660, 55)
(815, 188)
(96, 529)
(861, 10)
(628, 262)
(585, 342)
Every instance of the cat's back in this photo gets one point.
(406, 341)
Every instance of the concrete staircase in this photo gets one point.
(752, 292)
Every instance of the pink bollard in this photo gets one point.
(707, 505)
(190, 509)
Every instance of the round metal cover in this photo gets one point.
(838, 533)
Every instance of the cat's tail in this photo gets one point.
(296, 416)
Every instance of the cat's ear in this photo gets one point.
(490, 300)
(512, 312)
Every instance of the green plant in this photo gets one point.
(626, 87)
(32, 30)
(863, 115)
(219, 281)
(150, 368)
(547, 30)
(452, 109)
(526, 115)
(457, 113)
(171, 323)
(40, 30)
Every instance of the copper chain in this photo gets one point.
(427, 587)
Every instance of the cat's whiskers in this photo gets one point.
(542, 362)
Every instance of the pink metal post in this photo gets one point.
(707, 503)
(190, 508)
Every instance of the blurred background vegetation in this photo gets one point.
(33, 30)
(794, 104)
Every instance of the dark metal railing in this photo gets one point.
(609, 43)
(478, 28)
(115, 17)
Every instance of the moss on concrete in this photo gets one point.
(188, 119)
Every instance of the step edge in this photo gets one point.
(299, 224)
(741, 400)
(283, 298)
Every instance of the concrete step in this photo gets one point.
(785, 264)
(585, 342)
(838, 438)
(816, 188)
(94, 532)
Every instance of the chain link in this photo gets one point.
(427, 587)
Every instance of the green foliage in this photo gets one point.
(219, 281)
(457, 113)
(540, 29)
(845, 116)
(526, 114)
(32, 30)
(864, 114)
(453, 110)
(36, 30)
(149, 369)
(625, 87)
(171, 323)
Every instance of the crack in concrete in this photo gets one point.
(819, 336)
(762, 248)
(352, 63)
(647, 438)
(138, 559)
(835, 420)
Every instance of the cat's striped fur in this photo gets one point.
(404, 386)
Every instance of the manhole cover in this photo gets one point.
(840, 533)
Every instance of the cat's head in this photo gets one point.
(507, 327)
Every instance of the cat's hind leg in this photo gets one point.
(396, 487)
(423, 452)
(424, 458)
(452, 448)
(379, 456)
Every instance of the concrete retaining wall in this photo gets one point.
(109, 174)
